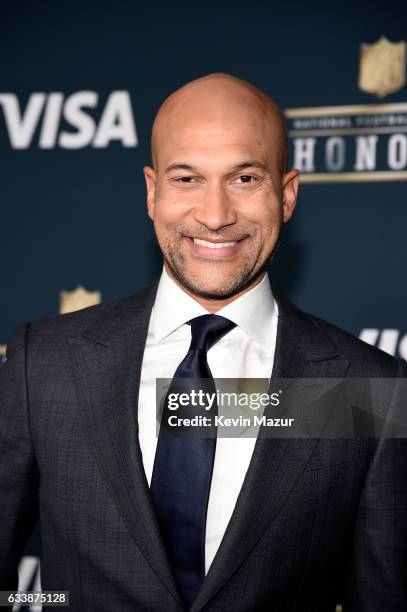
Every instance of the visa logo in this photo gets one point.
(388, 340)
(46, 110)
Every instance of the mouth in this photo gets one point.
(214, 249)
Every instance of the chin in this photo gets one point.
(208, 288)
(212, 291)
(207, 282)
(215, 289)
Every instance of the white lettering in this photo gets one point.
(117, 122)
(403, 347)
(385, 341)
(304, 151)
(21, 127)
(397, 152)
(365, 153)
(84, 123)
(50, 123)
(388, 340)
(369, 335)
(335, 153)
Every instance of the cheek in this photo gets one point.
(167, 219)
(266, 215)
(168, 211)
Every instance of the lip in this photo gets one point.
(211, 252)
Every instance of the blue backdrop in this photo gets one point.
(80, 85)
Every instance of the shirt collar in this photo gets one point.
(254, 312)
(172, 308)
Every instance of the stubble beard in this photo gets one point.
(245, 275)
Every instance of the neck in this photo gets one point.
(214, 304)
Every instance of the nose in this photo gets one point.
(215, 210)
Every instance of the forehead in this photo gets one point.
(206, 140)
(213, 124)
(217, 141)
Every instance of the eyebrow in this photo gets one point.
(178, 166)
(253, 163)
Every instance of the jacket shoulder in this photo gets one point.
(365, 358)
(74, 323)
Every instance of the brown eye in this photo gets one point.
(246, 178)
(186, 180)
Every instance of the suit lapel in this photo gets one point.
(303, 350)
(107, 362)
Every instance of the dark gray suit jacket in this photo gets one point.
(316, 521)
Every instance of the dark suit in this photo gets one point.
(316, 522)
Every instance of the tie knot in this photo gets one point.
(207, 329)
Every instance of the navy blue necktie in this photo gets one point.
(183, 467)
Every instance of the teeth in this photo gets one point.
(214, 245)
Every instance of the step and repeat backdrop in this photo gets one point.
(80, 84)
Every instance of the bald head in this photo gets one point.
(220, 101)
(219, 191)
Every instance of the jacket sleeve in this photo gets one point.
(18, 471)
(378, 574)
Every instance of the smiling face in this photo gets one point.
(217, 195)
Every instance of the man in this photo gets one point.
(129, 522)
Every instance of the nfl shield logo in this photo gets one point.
(382, 68)
(79, 298)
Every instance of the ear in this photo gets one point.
(290, 184)
(150, 176)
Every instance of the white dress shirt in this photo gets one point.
(247, 351)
